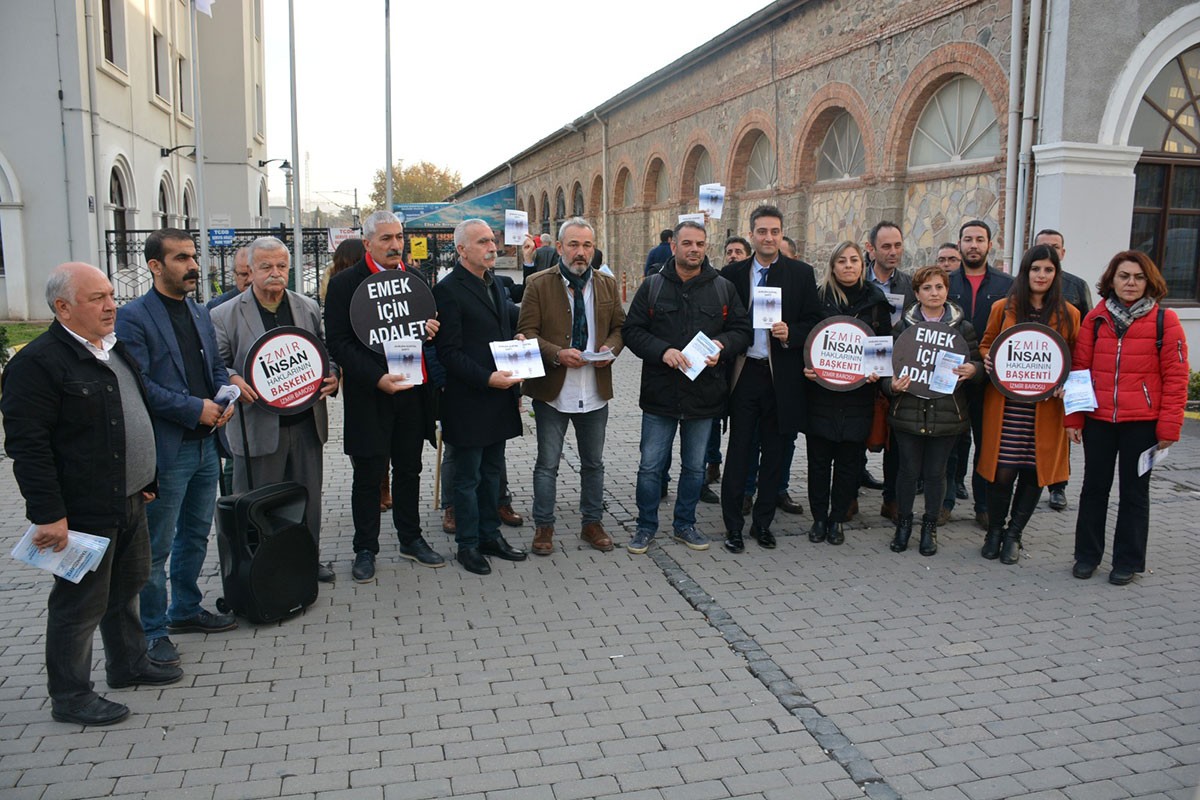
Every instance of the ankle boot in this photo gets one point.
(991, 542)
(1025, 500)
(903, 534)
(835, 534)
(928, 544)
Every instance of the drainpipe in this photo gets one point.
(1028, 117)
(62, 120)
(89, 26)
(603, 175)
(1014, 119)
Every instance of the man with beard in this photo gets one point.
(282, 448)
(572, 310)
(684, 298)
(480, 402)
(768, 391)
(173, 342)
(975, 288)
(385, 418)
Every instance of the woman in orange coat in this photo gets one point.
(1024, 444)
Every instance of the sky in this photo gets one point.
(473, 83)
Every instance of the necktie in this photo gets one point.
(761, 343)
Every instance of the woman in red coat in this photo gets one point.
(1139, 362)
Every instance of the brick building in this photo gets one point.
(846, 113)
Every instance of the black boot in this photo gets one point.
(999, 498)
(928, 544)
(835, 534)
(819, 530)
(1025, 500)
(903, 534)
(991, 542)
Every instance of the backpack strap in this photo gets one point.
(656, 282)
(1158, 330)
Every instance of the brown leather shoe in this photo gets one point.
(593, 533)
(543, 540)
(852, 510)
(449, 525)
(509, 517)
(385, 494)
(889, 510)
(712, 473)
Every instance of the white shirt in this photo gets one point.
(101, 352)
(761, 347)
(580, 392)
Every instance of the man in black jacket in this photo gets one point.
(686, 297)
(768, 381)
(72, 400)
(384, 417)
(975, 288)
(480, 403)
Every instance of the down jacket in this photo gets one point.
(941, 416)
(1133, 380)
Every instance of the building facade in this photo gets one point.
(924, 112)
(98, 134)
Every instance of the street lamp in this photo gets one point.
(286, 166)
(164, 152)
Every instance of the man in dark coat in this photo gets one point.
(768, 381)
(686, 297)
(480, 403)
(660, 253)
(384, 417)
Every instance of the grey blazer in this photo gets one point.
(239, 325)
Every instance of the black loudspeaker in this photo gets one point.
(268, 556)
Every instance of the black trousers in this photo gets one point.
(108, 598)
(834, 469)
(752, 404)
(922, 457)
(406, 446)
(1109, 447)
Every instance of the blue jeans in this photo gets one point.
(476, 493)
(179, 520)
(589, 438)
(658, 436)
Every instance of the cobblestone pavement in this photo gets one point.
(810, 671)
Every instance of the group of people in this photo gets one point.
(114, 420)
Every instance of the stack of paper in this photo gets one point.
(82, 555)
(1078, 393)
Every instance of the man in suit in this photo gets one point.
(384, 417)
(173, 342)
(768, 389)
(479, 404)
(241, 279)
(571, 310)
(71, 399)
(282, 448)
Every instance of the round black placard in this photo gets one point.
(392, 304)
(916, 352)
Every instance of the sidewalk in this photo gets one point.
(806, 672)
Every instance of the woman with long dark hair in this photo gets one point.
(1024, 444)
(1138, 358)
(839, 422)
(348, 253)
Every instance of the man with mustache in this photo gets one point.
(571, 310)
(384, 417)
(480, 402)
(974, 288)
(173, 342)
(282, 448)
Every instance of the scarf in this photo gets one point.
(1124, 316)
(579, 328)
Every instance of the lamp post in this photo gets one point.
(286, 166)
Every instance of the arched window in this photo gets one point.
(1166, 201)
(656, 189)
(958, 124)
(162, 213)
(119, 234)
(189, 222)
(545, 213)
(697, 171)
(577, 200)
(623, 195)
(560, 207)
(596, 198)
(761, 168)
(841, 155)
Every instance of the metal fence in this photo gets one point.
(126, 261)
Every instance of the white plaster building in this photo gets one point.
(93, 93)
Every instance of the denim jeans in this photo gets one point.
(448, 472)
(658, 436)
(476, 493)
(589, 439)
(180, 520)
(713, 454)
(107, 598)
